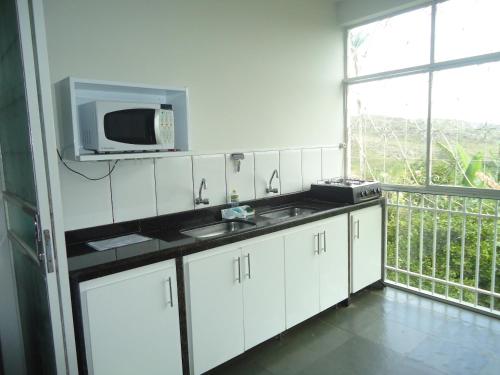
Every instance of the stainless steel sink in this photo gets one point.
(288, 212)
(217, 229)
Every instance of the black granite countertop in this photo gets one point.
(167, 242)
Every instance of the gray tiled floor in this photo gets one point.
(382, 332)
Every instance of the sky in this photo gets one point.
(463, 28)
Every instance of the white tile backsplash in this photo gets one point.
(331, 162)
(290, 171)
(133, 190)
(265, 163)
(311, 167)
(85, 203)
(148, 187)
(174, 184)
(213, 169)
(242, 181)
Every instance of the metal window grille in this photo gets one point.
(446, 246)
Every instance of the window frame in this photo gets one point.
(429, 69)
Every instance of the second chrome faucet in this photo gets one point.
(200, 199)
(203, 186)
(270, 188)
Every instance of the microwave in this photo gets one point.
(107, 127)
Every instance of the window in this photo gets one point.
(466, 126)
(423, 91)
(372, 47)
(388, 127)
(466, 28)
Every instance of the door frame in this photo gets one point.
(31, 22)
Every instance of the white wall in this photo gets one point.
(350, 12)
(261, 73)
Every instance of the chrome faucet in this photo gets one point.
(270, 188)
(200, 200)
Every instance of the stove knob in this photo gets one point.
(379, 190)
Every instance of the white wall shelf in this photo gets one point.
(72, 92)
(127, 155)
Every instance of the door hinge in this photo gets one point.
(49, 253)
(38, 239)
(38, 229)
(44, 245)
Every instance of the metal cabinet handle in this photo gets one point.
(238, 270)
(324, 241)
(249, 273)
(169, 298)
(316, 243)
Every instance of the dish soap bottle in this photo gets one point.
(234, 199)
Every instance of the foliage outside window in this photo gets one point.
(423, 115)
(392, 77)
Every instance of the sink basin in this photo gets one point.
(218, 229)
(288, 212)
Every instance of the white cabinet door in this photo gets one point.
(366, 234)
(333, 262)
(263, 290)
(215, 308)
(131, 322)
(301, 275)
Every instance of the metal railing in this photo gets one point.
(446, 246)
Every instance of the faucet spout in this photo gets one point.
(270, 188)
(200, 199)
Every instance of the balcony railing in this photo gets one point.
(446, 246)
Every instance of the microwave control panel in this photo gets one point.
(165, 134)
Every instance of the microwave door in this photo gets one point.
(131, 126)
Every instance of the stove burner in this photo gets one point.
(344, 181)
(346, 190)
